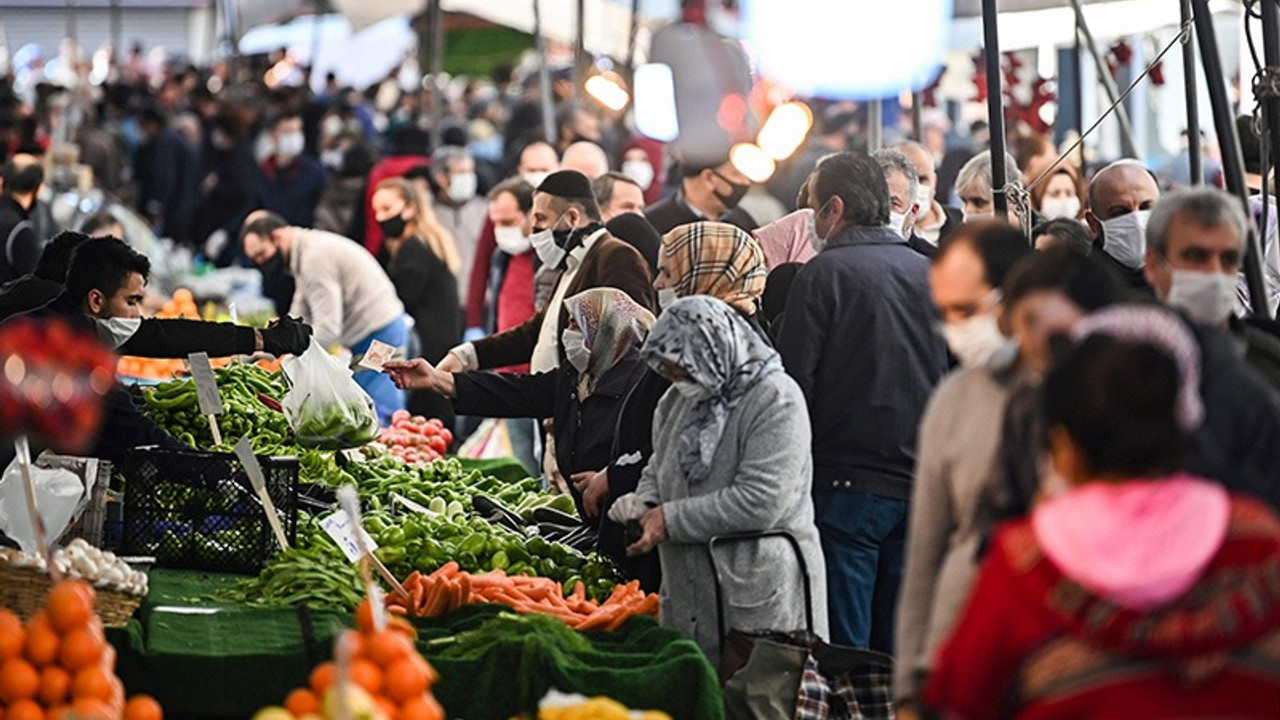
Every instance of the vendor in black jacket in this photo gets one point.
(602, 363)
(103, 294)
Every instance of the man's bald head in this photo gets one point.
(1120, 188)
(538, 157)
(923, 161)
(587, 158)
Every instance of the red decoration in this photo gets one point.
(1157, 74)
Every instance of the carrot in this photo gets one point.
(649, 606)
(601, 618)
(464, 585)
(429, 599)
(416, 594)
(414, 578)
(448, 569)
(580, 590)
(397, 610)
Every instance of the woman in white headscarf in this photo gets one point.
(731, 455)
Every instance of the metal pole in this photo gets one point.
(437, 72)
(917, 116)
(875, 125)
(544, 77)
(580, 50)
(1232, 157)
(1193, 106)
(117, 35)
(995, 106)
(1271, 55)
(631, 41)
(1079, 65)
(1129, 147)
(71, 20)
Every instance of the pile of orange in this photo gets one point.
(385, 664)
(59, 664)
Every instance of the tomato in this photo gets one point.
(447, 435)
(438, 444)
(435, 423)
(399, 415)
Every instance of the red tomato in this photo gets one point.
(438, 444)
(447, 435)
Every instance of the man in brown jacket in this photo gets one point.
(568, 236)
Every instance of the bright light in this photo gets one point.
(848, 49)
(751, 161)
(655, 104)
(785, 130)
(609, 90)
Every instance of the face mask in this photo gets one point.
(924, 198)
(667, 297)
(975, 340)
(534, 178)
(818, 242)
(290, 145)
(575, 349)
(332, 159)
(1055, 208)
(1125, 238)
(511, 240)
(548, 246)
(735, 194)
(331, 126)
(462, 187)
(640, 171)
(692, 390)
(115, 332)
(393, 227)
(1206, 297)
(896, 222)
(975, 217)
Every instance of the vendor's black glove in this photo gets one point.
(286, 336)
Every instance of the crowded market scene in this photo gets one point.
(653, 359)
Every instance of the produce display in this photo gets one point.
(251, 406)
(598, 708)
(414, 439)
(335, 426)
(389, 680)
(59, 665)
(449, 589)
(81, 560)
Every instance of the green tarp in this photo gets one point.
(229, 663)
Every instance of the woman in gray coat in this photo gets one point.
(731, 455)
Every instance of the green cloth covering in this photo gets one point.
(233, 662)
(508, 470)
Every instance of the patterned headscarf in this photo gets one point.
(1147, 324)
(716, 259)
(611, 324)
(721, 352)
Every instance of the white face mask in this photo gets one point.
(575, 349)
(1054, 208)
(692, 390)
(332, 159)
(512, 240)
(290, 145)
(924, 198)
(534, 178)
(667, 297)
(544, 243)
(1206, 297)
(115, 332)
(1125, 238)
(897, 221)
(975, 217)
(640, 171)
(818, 242)
(974, 340)
(462, 187)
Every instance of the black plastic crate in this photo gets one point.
(198, 510)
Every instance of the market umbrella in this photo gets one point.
(356, 58)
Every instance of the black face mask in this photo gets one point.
(734, 196)
(25, 180)
(393, 227)
(273, 265)
(570, 238)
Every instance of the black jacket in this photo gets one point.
(666, 215)
(583, 430)
(1135, 279)
(19, 244)
(859, 339)
(25, 294)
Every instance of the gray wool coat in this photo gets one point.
(760, 480)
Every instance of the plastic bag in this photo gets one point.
(60, 493)
(488, 442)
(324, 405)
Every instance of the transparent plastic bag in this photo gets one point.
(324, 405)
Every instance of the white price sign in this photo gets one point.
(340, 527)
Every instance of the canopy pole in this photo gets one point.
(544, 77)
(580, 51)
(1195, 161)
(1078, 59)
(875, 125)
(631, 42)
(1128, 146)
(917, 116)
(1232, 157)
(995, 106)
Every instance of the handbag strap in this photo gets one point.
(756, 536)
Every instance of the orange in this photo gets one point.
(92, 682)
(42, 641)
(407, 678)
(58, 712)
(423, 707)
(322, 678)
(12, 636)
(367, 675)
(386, 647)
(24, 710)
(93, 709)
(143, 707)
(69, 605)
(55, 685)
(299, 702)
(387, 707)
(80, 649)
(18, 680)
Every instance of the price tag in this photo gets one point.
(206, 385)
(231, 310)
(377, 355)
(250, 462)
(340, 527)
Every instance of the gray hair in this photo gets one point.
(1203, 206)
(892, 160)
(977, 172)
(446, 154)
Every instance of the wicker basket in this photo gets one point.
(23, 590)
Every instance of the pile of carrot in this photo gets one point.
(450, 588)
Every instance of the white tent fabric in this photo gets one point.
(357, 58)
(1036, 23)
